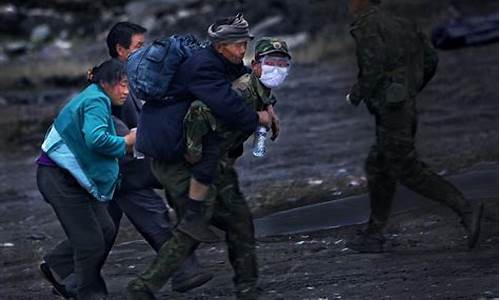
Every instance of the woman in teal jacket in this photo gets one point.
(77, 173)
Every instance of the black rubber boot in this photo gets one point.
(194, 224)
(137, 290)
(472, 223)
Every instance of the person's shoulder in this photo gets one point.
(93, 95)
(245, 86)
(203, 58)
(243, 82)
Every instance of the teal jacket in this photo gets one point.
(85, 128)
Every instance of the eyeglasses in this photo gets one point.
(276, 61)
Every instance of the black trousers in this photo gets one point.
(147, 211)
(88, 227)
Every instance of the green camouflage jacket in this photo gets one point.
(395, 59)
(199, 120)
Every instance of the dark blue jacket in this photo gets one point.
(136, 173)
(205, 76)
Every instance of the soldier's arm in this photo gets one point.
(209, 85)
(249, 91)
(369, 51)
(431, 59)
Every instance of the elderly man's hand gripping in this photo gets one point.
(275, 123)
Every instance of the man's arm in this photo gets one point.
(210, 86)
(431, 59)
(369, 51)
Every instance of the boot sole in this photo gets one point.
(57, 288)
(193, 282)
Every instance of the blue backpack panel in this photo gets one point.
(151, 68)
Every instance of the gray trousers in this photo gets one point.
(89, 230)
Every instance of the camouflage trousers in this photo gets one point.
(226, 209)
(393, 159)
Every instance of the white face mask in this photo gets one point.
(273, 76)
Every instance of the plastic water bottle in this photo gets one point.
(259, 142)
(136, 154)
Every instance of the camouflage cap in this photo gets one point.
(266, 45)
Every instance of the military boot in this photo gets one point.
(137, 290)
(368, 241)
(472, 223)
(193, 223)
(190, 276)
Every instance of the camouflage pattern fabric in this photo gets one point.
(395, 62)
(395, 59)
(227, 210)
(199, 120)
(226, 207)
(267, 45)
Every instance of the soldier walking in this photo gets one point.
(395, 62)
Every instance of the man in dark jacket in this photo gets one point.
(136, 198)
(207, 76)
(395, 63)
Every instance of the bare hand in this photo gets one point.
(130, 139)
(275, 123)
(264, 118)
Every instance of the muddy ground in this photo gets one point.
(318, 157)
(321, 149)
(426, 258)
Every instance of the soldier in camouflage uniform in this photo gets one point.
(395, 62)
(226, 207)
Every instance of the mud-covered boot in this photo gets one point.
(368, 241)
(137, 290)
(472, 223)
(190, 276)
(194, 224)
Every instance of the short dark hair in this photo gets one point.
(121, 34)
(111, 72)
